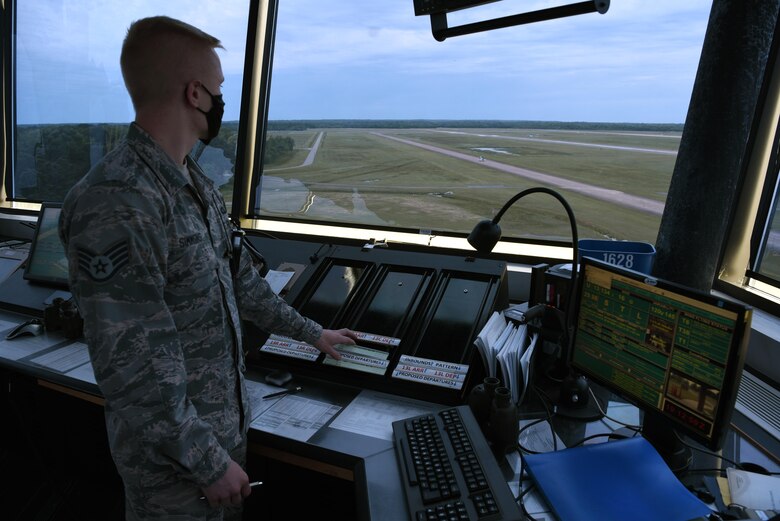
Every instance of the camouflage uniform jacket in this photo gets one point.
(149, 267)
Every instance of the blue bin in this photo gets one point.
(637, 256)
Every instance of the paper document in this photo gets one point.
(278, 279)
(84, 373)
(28, 345)
(509, 360)
(506, 352)
(753, 490)
(295, 417)
(65, 358)
(538, 437)
(487, 341)
(372, 413)
(256, 390)
(525, 366)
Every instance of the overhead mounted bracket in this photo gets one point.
(441, 31)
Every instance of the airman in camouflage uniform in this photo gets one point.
(149, 249)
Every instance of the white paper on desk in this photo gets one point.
(278, 279)
(256, 391)
(372, 413)
(537, 436)
(84, 373)
(753, 490)
(65, 358)
(295, 417)
(27, 345)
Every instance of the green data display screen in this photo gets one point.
(667, 348)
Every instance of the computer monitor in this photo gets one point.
(46, 262)
(674, 352)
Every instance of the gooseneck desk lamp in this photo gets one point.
(574, 392)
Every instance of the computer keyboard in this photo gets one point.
(448, 469)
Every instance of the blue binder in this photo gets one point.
(614, 481)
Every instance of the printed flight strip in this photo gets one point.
(360, 358)
(432, 372)
(355, 357)
(370, 360)
(378, 339)
(288, 347)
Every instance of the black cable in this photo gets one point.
(244, 242)
(600, 435)
(707, 452)
(254, 251)
(549, 413)
(525, 510)
(265, 233)
(702, 471)
(522, 494)
(635, 428)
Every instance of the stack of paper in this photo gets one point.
(515, 362)
(754, 491)
(488, 340)
(506, 352)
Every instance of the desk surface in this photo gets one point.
(347, 431)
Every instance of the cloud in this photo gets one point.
(68, 54)
(377, 59)
(636, 51)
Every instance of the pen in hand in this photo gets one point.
(282, 393)
(251, 485)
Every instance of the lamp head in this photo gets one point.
(484, 236)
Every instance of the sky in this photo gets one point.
(353, 59)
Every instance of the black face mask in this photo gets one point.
(213, 116)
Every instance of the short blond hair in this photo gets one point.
(159, 55)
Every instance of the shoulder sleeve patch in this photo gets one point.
(102, 266)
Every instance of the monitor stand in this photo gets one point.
(572, 395)
(577, 399)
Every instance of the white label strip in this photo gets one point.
(432, 380)
(378, 339)
(459, 377)
(437, 364)
(362, 351)
(293, 353)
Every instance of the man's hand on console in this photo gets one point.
(330, 338)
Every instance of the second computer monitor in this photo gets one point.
(675, 352)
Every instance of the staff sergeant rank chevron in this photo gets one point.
(102, 266)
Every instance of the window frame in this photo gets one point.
(737, 276)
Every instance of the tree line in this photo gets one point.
(306, 124)
(50, 158)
